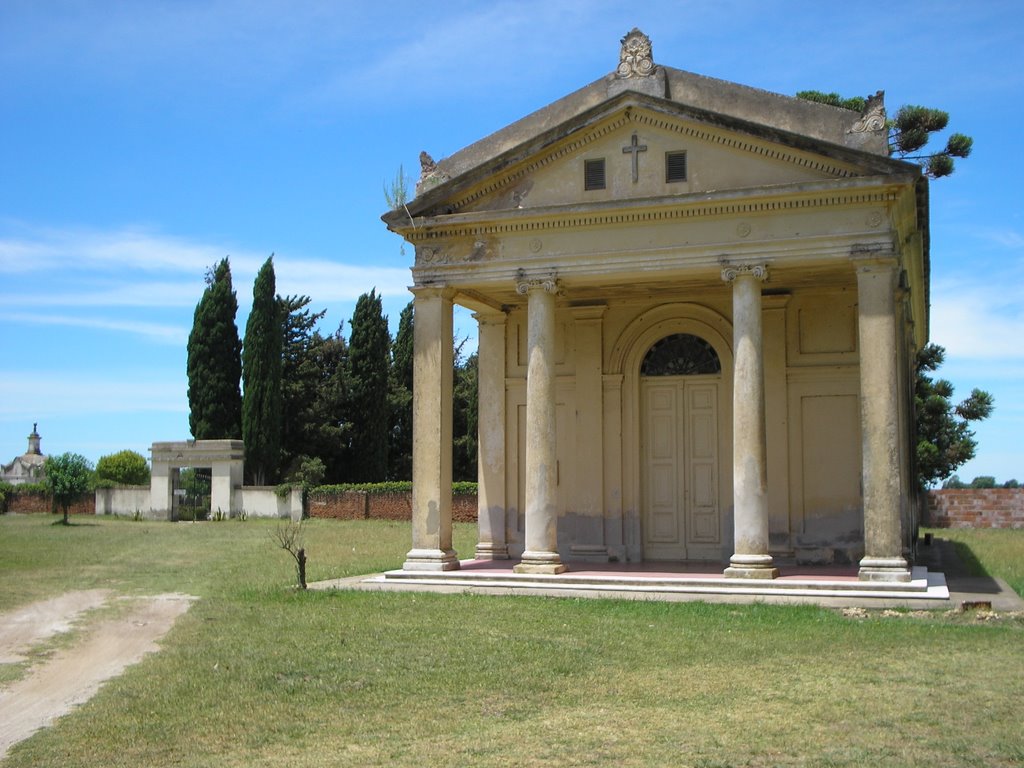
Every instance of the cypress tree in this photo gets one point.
(369, 358)
(400, 449)
(215, 361)
(300, 377)
(464, 417)
(330, 421)
(261, 379)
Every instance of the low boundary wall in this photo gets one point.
(123, 500)
(362, 505)
(38, 502)
(254, 501)
(976, 508)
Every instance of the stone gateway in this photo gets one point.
(699, 305)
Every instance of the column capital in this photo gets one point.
(731, 271)
(526, 283)
(432, 291)
(867, 260)
(491, 317)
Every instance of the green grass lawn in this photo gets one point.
(260, 674)
(990, 552)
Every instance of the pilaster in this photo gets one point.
(492, 543)
(589, 534)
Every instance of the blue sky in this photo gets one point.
(143, 141)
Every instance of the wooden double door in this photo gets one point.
(681, 514)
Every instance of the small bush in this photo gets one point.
(461, 488)
(122, 468)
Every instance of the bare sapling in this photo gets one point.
(289, 537)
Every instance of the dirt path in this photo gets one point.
(72, 675)
(25, 627)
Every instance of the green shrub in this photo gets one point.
(30, 488)
(122, 468)
(461, 488)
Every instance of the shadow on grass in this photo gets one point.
(972, 566)
(70, 524)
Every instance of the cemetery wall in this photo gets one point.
(976, 508)
(360, 505)
(36, 503)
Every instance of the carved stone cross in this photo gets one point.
(635, 149)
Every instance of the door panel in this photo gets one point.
(662, 466)
(702, 462)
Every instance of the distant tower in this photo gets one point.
(33, 441)
(27, 468)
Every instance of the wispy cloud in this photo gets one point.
(33, 249)
(974, 322)
(517, 41)
(133, 294)
(1007, 238)
(70, 277)
(153, 332)
(54, 394)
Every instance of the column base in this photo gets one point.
(891, 569)
(540, 562)
(431, 560)
(751, 567)
(486, 550)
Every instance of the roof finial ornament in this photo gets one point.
(873, 117)
(635, 57)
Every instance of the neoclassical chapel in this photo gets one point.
(699, 305)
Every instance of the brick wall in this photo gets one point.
(360, 505)
(35, 503)
(976, 508)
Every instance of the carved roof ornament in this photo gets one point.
(430, 176)
(873, 117)
(635, 56)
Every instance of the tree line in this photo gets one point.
(312, 407)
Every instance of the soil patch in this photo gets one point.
(72, 675)
(30, 625)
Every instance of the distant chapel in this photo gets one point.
(699, 305)
(27, 468)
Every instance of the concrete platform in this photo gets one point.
(833, 587)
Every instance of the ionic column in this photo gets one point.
(492, 544)
(432, 433)
(541, 555)
(751, 559)
(880, 422)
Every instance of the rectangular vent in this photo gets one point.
(593, 174)
(675, 166)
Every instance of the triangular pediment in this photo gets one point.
(677, 151)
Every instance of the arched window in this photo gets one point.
(681, 354)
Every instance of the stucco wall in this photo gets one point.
(976, 508)
(127, 500)
(259, 501)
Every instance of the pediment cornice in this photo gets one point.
(858, 191)
(626, 111)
